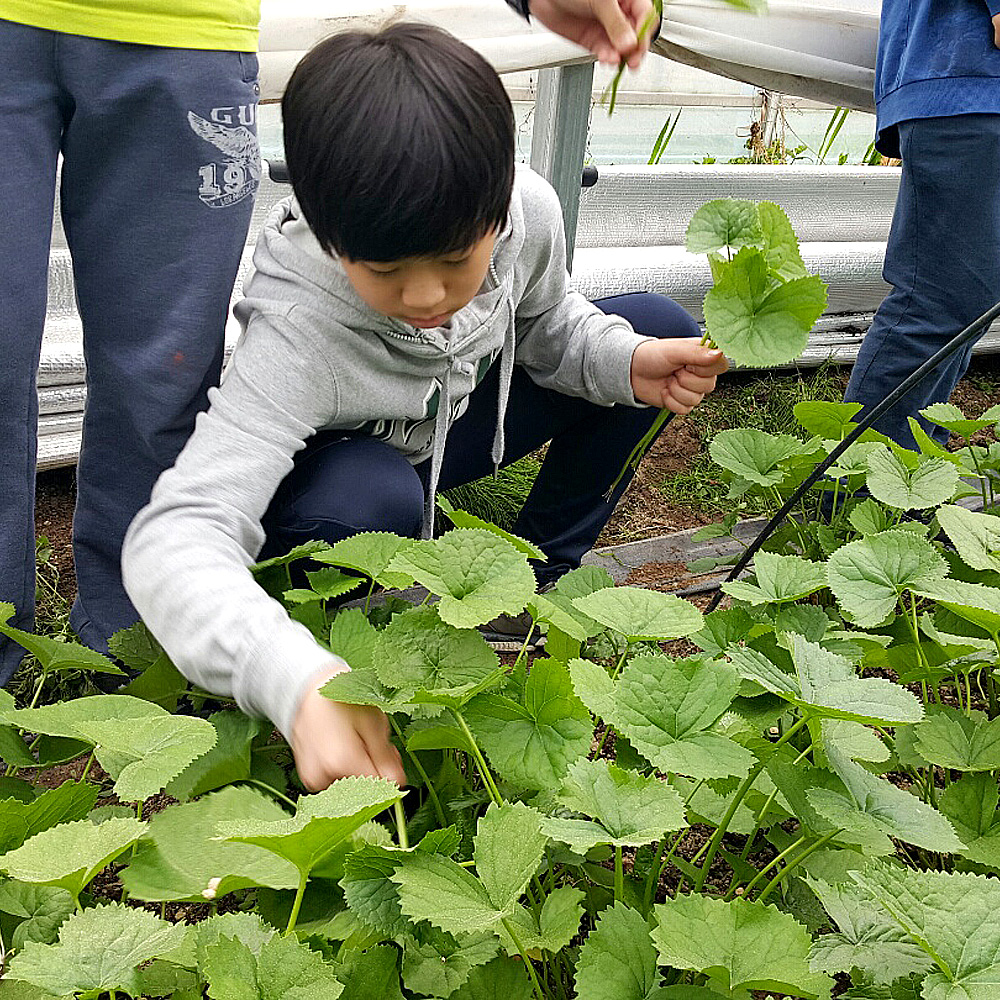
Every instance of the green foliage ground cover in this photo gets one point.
(804, 804)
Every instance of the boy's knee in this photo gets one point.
(652, 314)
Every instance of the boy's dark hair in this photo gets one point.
(399, 143)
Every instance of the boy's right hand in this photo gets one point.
(332, 740)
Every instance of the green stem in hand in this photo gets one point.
(611, 91)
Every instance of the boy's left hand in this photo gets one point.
(675, 373)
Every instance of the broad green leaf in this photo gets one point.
(828, 685)
(971, 805)
(870, 518)
(20, 820)
(352, 637)
(282, 970)
(501, 979)
(420, 654)
(828, 420)
(857, 741)
(508, 850)
(582, 581)
(561, 613)
(370, 973)
(71, 854)
(369, 891)
(531, 742)
(329, 583)
(739, 945)
(628, 809)
(868, 576)
(321, 822)
(780, 578)
(951, 418)
(99, 950)
(642, 614)
(955, 919)
(931, 483)
(854, 461)
(755, 324)
(556, 926)
(135, 647)
(724, 223)
(52, 654)
(437, 964)
(13, 750)
(180, 856)
(781, 246)
(665, 707)
(361, 686)
(463, 519)
(867, 938)
(618, 959)
(247, 928)
(975, 536)
(902, 989)
(873, 804)
(40, 909)
(723, 629)
(950, 738)
(754, 455)
(307, 550)
(369, 552)
(476, 574)
(226, 762)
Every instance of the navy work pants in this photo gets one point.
(942, 260)
(344, 483)
(160, 164)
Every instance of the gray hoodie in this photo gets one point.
(314, 356)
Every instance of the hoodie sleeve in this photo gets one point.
(187, 554)
(564, 341)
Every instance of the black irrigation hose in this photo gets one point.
(960, 340)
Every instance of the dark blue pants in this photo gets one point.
(160, 165)
(345, 483)
(942, 260)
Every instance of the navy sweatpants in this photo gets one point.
(942, 260)
(160, 164)
(344, 483)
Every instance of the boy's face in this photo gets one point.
(422, 291)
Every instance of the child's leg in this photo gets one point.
(342, 484)
(566, 508)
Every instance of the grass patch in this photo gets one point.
(498, 499)
(763, 401)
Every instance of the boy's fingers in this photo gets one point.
(388, 763)
(616, 24)
(695, 380)
(677, 395)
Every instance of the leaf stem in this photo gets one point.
(401, 835)
(619, 874)
(766, 891)
(428, 784)
(509, 928)
(297, 904)
(759, 877)
(271, 791)
(484, 769)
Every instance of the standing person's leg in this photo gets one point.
(31, 110)
(566, 508)
(161, 165)
(942, 259)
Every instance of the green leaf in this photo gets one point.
(951, 418)
(52, 654)
(352, 637)
(40, 909)
(228, 761)
(664, 708)
(476, 574)
(71, 854)
(828, 420)
(361, 686)
(781, 246)
(369, 891)
(739, 945)
(754, 455)
(582, 581)
(420, 654)
(642, 614)
(180, 857)
(556, 926)
(868, 576)
(755, 324)
(618, 959)
(867, 938)
(723, 629)
(501, 979)
(20, 820)
(629, 809)
(369, 552)
(531, 742)
(949, 738)
(955, 919)
(780, 578)
(827, 685)
(724, 223)
(975, 536)
(99, 950)
(370, 973)
(870, 518)
(282, 970)
(463, 519)
(932, 482)
(321, 822)
(508, 850)
(971, 805)
(437, 964)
